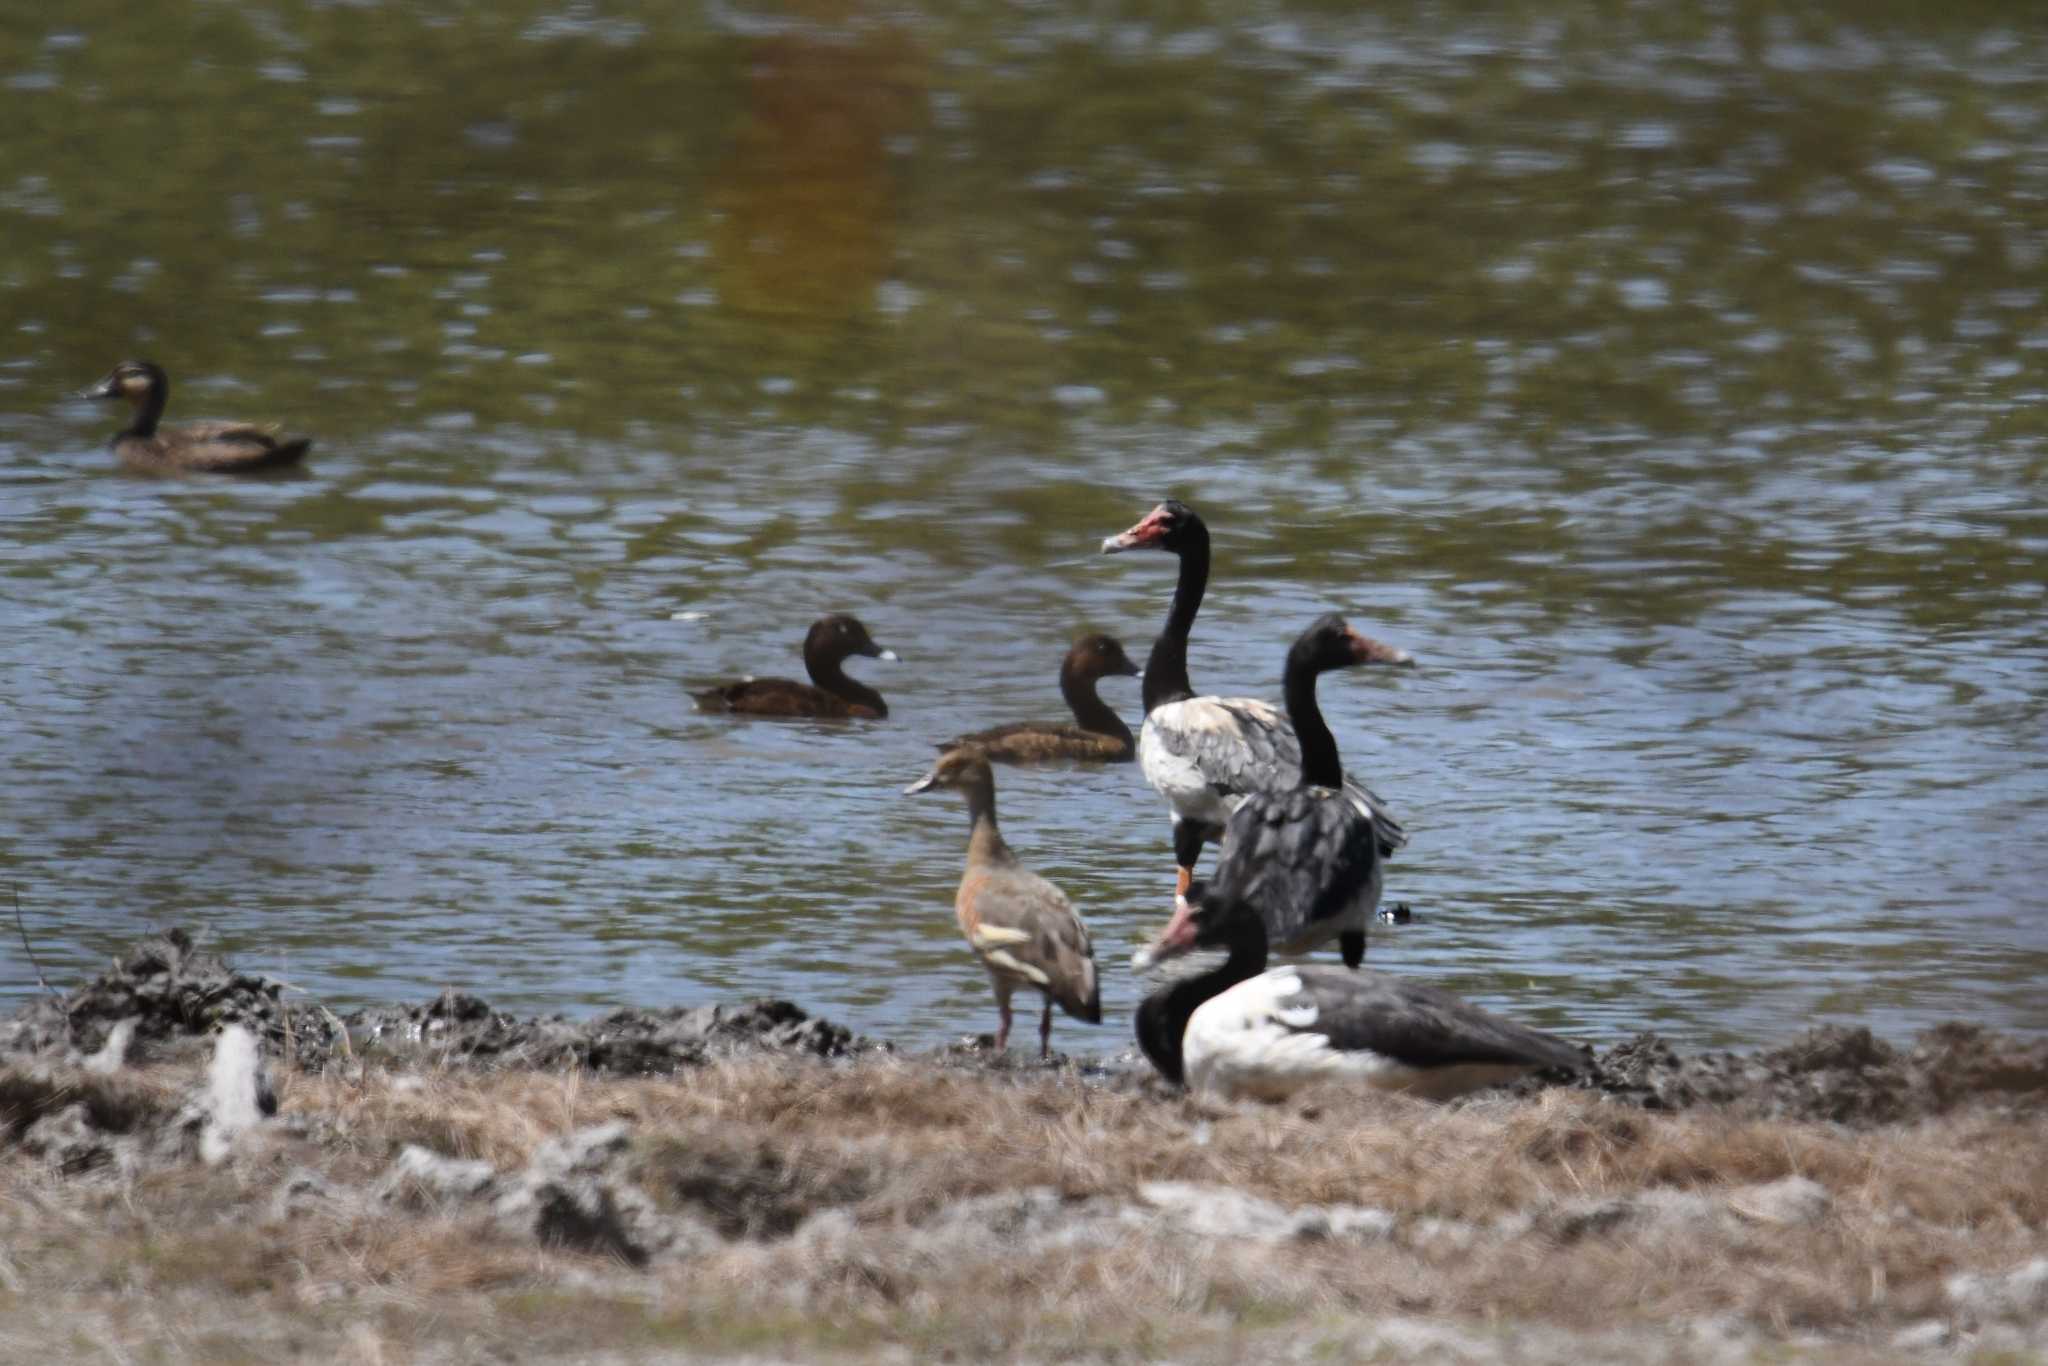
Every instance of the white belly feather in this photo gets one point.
(1242, 1042)
(1177, 777)
(1258, 1040)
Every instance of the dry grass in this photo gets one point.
(756, 1147)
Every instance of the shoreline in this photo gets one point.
(199, 1171)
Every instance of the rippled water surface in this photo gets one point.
(1669, 379)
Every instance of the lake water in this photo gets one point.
(1670, 380)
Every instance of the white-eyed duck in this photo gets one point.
(830, 693)
(1101, 734)
(1242, 1029)
(200, 447)
(1205, 755)
(1021, 927)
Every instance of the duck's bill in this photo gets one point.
(1366, 650)
(104, 389)
(921, 784)
(1176, 939)
(889, 655)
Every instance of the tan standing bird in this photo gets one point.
(1022, 927)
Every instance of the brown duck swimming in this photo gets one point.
(1101, 734)
(207, 447)
(1021, 927)
(830, 693)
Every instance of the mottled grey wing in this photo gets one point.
(1240, 744)
(1244, 746)
(1296, 858)
(1419, 1025)
(1390, 832)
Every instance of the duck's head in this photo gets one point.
(1100, 656)
(134, 380)
(840, 635)
(1330, 643)
(965, 767)
(1171, 526)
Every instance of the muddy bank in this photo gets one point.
(165, 996)
(194, 1167)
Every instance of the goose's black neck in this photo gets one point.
(1320, 764)
(1166, 668)
(825, 671)
(1163, 1016)
(1089, 709)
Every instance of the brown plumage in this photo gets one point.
(1021, 927)
(829, 694)
(1101, 735)
(199, 447)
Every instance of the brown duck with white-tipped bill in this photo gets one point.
(198, 447)
(830, 693)
(1100, 735)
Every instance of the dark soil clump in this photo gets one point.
(631, 1042)
(173, 995)
(1832, 1073)
(174, 992)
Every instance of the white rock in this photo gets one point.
(1924, 1336)
(421, 1172)
(2017, 1293)
(1791, 1200)
(238, 1094)
(114, 1052)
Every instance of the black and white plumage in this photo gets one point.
(1206, 755)
(1242, 1029)
(1306, 859)
(1308, 864)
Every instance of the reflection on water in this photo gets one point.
(1670, 384)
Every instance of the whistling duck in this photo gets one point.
(1021, 927)
(830, 693)
(1101, 734)
(1241, 1029)
(1205, 755)
(207, 447)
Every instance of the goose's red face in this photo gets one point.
(1366, 650)
(1181, 935)
(1152, 533)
